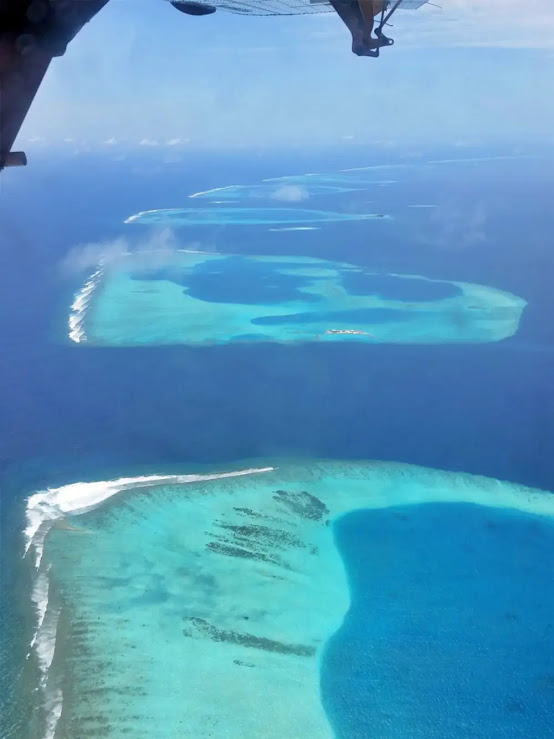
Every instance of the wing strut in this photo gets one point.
(385, 18)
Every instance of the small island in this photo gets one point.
(352, 331)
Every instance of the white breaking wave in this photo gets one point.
(214, 189)
(143, 213)
(39, 596)
(79, 307)
(46, 507)
(56, 705)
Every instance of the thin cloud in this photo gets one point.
(157, 250)
(291, 194)
(176, 142)
(453, 228)
(85, 257)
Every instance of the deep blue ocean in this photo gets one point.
(72, 413)
(451, 627)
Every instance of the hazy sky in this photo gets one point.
(141, 72)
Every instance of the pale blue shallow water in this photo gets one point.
(451, 628)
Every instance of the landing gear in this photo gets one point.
(383, 40)
(385, 18)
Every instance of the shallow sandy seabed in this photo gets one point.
(201, 609)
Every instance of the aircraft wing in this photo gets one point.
(412, 4)
(32, 32)
(278, 7)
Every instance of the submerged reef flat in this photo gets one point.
(198, 607)
(200, 298)
(243, 216)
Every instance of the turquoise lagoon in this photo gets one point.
(202, 606)
(201, 299)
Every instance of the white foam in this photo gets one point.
(207, 192)
(143, 213)
(43, 644)
(76, 320)
(39, 596)
(55, 711)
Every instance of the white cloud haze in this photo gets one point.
(155, 250)
(291, 194)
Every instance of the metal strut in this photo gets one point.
(385, 17)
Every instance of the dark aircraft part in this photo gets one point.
(38, 11)
(193, 8)
(385, 17)
(288, 7)
(15, 159)
(32, 32)
(383, 40)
